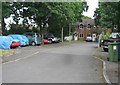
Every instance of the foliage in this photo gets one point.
(107, 15)
(85, 17)
(49, 17)
(18, 29)
(105, 35)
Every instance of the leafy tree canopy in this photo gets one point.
(48, 16)
(107, 15)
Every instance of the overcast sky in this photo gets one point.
(93, 4)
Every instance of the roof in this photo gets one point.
(86, 22)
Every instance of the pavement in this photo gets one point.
(111, 67)
(55, 63)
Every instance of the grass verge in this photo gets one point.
(6, 52)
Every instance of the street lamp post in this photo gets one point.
(69, 29)
(62, 34)
(85, 28)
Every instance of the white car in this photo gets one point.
(68, 38)
(89, 39)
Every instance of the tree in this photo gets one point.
(50, 16)
(107, 15)
(5, 14)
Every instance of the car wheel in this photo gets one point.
(50, 41)
(105, 49)
(33, 44)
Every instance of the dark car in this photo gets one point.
(114, 37)
(51, 38)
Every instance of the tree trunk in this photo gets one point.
(3, 26)
(42, 34)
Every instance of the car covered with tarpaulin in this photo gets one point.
(5, 42)
(20, 38)
(25, 39)
(14, 42)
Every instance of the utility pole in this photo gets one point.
(62, 34)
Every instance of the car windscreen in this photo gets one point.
(48, 36)
(51, 35)
(115, 35)
(38, 35)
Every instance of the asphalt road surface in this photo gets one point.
(54, 63)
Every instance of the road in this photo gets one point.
(55, 63)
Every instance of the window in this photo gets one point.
(81, 25)
(30, 35)
(81, 36)
(38, 35)
(89, 26)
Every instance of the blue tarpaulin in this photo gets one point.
(25, 39)
(18, 37)
(13, 40)
(5, 42)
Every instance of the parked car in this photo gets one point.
(114, 37)
(5, 42)
(46, 41)
(26, 40)
(18, 37)
(51, 38)
(14, 42)
(34, 38)
(68, 38)
(89, 38)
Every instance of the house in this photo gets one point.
(87, 28)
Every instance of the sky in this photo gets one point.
(93, 4)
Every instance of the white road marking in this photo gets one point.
(25, 57)
(104, 71)
(22, 58)
(28, 56)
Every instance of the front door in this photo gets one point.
(93, 37)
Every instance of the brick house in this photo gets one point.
(86, 28)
